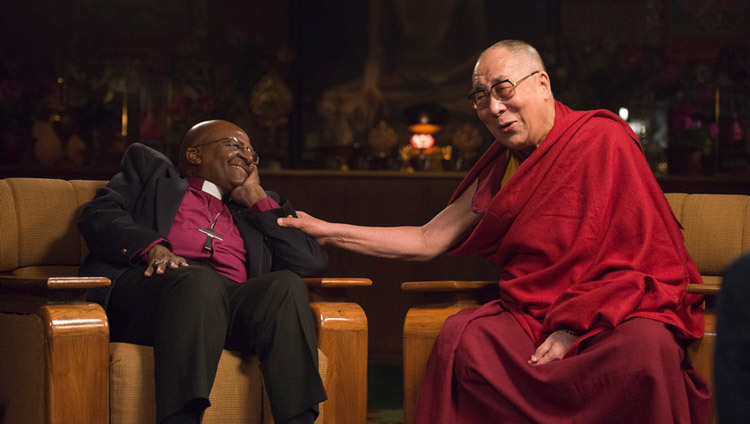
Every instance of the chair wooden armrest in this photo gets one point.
(342, 336)
(423, 323)
(327, 282)
(76, 337)
(446, 285)
(26, 294)
(708, 289)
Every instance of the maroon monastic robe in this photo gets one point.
(584, 239)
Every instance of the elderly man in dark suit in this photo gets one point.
(198, 264)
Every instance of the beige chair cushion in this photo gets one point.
(716, 228)
(38, 223)
(237, 396)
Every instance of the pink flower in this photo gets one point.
(713, 130)
(149, 127)
(681, 122)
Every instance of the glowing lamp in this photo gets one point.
(424, 128)
(422, 141)
(424, 121)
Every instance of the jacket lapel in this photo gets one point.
(168, 195)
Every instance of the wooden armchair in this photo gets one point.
(716, 230)
(56, 362)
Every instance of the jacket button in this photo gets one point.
(124, 251)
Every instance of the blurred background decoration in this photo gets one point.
(425, 122)
(382, 140)
(271, 103)
(80, 81)
(328, 84)
(467, 141)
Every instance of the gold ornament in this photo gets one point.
(467, 139)
(271, 101)
(382, 138)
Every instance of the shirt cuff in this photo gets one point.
(263, 205)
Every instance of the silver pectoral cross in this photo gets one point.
(210, 236)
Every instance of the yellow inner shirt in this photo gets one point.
(512, 165)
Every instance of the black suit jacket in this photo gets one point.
(139, 204)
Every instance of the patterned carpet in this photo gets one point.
(385, 394)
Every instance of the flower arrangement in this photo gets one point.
(708, 100)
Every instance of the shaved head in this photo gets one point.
(203, 132)
(521, 49)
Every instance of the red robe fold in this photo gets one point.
(584, 238)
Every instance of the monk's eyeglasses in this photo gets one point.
(236, 144)
(503, 90)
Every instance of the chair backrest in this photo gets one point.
(40, 238)
(38, 225)
(716, 229)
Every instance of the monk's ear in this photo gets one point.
(545, 84)
(193, 156)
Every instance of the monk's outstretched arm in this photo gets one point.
(406, 243)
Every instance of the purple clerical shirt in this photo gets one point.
(202, 205)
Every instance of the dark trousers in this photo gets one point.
(731, 364)
(191, 313)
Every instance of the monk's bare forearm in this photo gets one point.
(405, 243)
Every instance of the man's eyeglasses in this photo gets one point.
(502, 90)
(236, 144)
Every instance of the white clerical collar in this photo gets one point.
(212, 189)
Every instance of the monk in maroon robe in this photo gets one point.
(593, 319)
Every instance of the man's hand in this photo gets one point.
(553, 348)
(160, 258)
(250, 191)
(314, 227)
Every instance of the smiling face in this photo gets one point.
(217, 161)
(523, 120)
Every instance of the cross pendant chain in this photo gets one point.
(211, 234)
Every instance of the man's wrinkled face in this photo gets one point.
(520, 121)
(222, 156)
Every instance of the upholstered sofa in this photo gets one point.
(716, 230)
(57, 364)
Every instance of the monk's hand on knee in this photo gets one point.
(553, 348)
